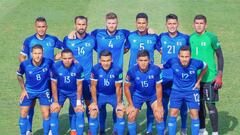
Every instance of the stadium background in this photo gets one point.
(17, 21)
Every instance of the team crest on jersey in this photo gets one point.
(112, 76)
(203, 43)
(150, 76)
(44, 69)
(87, 44)
(191, 72)
(73, 74)
(117, 37)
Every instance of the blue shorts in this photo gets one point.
(86, 90)
(190, 97)
(72, 96)
(139, 100)
(107, 99)
(167, 87)
(43, 98)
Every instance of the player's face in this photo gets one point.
(142, 24)
(37, 55)
(111, 25)
(67, 59)
(41, 28)
(81, 26)
(172, 25)
(143, 63)
(184, 57)
(106, 61)
(200, 26)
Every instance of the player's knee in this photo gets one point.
(194, 113)
(23, 113)
(93, 113)
(212, 108)
(120, 113)
(132, 117)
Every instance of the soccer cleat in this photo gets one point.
(29, 133)
(50, 132)
(203, 132)
(148, 133)
(183, 131)
(73, 132)
(214, 133)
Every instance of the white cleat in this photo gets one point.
(29, 133)
(50, 132)
(203, 132)
(183, 131)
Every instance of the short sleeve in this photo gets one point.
(215, 42)
(158, 77)
(168, 64)
(119, 76)
(80, 73)
(129, 77)
(159, 43)
(21, 69)
(58, 43)
(25, 48)
(54, 74)
(94, 74)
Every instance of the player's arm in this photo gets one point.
(22, 57)
(79, 95)
(20, 78)
(127, 93)
(94, 91)
(55, 107)
(202, 73)
(220, 62)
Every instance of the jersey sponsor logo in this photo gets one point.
(120, 75)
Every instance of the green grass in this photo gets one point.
(16, 23)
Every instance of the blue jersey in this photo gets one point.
(138, 42)
(82, 51)
(184, 78)
(170, 46)
(113, 43)
(37, 77)
(48, 43)
(106, 79)
(67, 77)
(144, 83)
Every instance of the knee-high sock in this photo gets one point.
(160, 128)
(202, 114)
(165, 101)
(102, 118)
(23, 125)
(93, 125)
(183, 113)
(80, 122)
(54, 123)
(114, 117)
(195, 126)
(172, 125)
(120, 126)
(213, 114)
(30, 118)
(72, 118)
(132, 128)
(150, 118)
(46, 126)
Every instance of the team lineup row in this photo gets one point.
(118, 42)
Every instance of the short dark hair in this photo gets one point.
(142, 15)
(200, 17)
(111, 15)
(185, 48)
(80, 17)
(171, 16)
(66, 51)
(143, 53)
(37, 46)
(40, 19)
(105, 53)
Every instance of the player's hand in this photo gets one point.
(120, 107)
(22, 95)
(72, 35)
(151, 31)
(80, 108)
(196, 86)
(218, 82)
(55, 107)
(93, 107)
(159, 111)
(130, 109)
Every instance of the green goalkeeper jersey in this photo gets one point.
(203, 48)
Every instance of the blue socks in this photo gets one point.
(172, 125)
(183, 113)
(46, 126)
(160, 128)
(195, 126)
(150, 118)
(54, 123)
(30, 118)
(132, 128)
(80, 122)
(120, 125)
(93, 125)
(23, 125)
(165, 101)
(102, 118)
(72, 118)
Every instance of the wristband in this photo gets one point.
(79, 102)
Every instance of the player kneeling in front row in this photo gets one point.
(106, 81)
(37, 74)
(146, 80)
(67, 78)
(185, 88)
